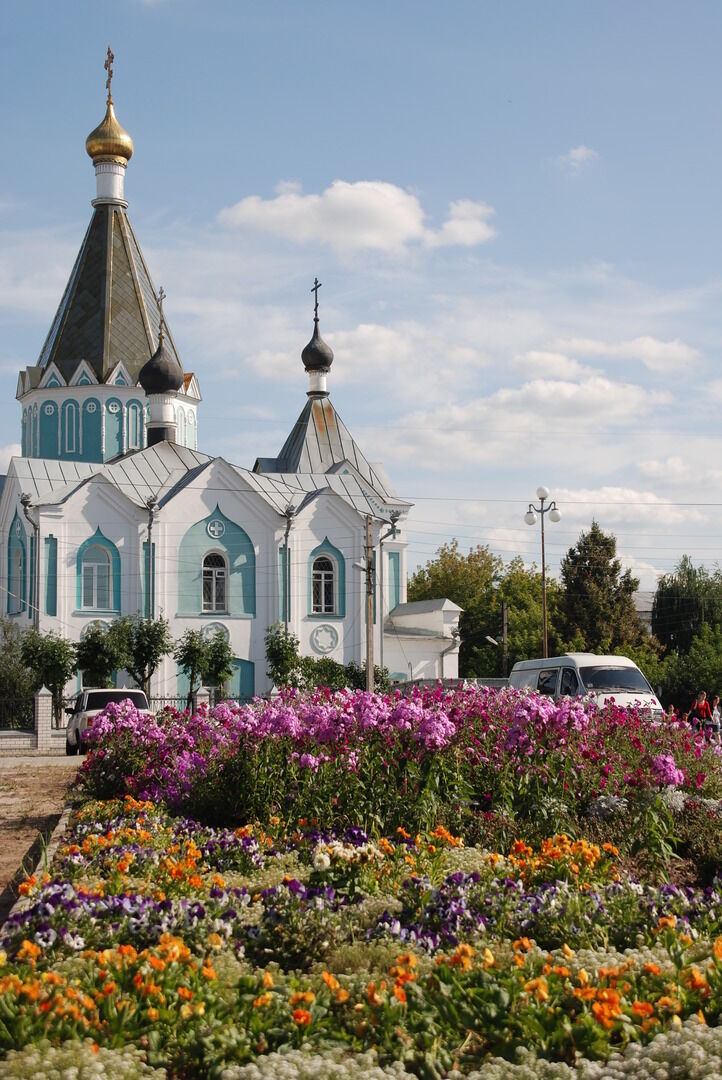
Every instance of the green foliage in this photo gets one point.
(698, 669)
(99, 653)
(52, 661)
(16, 681)
(683, 602)
(144, 643)
(597, 602)
(189, 655)
(286, 667)
(217, 661)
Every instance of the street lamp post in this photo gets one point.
(542, 494)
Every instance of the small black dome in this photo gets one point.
(162, 374)
(317, 356)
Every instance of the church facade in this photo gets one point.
(113, 509)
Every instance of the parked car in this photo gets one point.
(595, 677)
(88, 704)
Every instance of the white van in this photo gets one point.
(588, 675)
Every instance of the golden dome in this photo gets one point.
(109, 141)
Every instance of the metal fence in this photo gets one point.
(17, 714)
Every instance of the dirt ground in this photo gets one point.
(32, 798)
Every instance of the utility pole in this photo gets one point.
(393, 518)
(151, 506)
(287, 567)
(369, 605)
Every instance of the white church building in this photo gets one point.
(113, 509)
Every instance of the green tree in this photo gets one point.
(685, 599)
(217, 661)
(99, 653)
(16, 680)
(51, 660)
(283, 660)
(470, 581)
(144, 643)
(597, 605)
(700, 668)
(189, 654)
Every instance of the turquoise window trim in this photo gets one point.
(16, 541)
(214, 616)
(328, 549)
(112, 550)
(394, 579)
(145, 579)
(283, 583)
(235, 545)
(49, 430)
(31, 567)
(92, 427)
(70, 430)
(51, 575)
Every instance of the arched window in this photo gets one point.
(16, 587)
(323, 586)
(96, 578)
(215, 581)
(70, 427)
(181, 427)
(135, 426)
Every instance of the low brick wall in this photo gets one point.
(45, 739)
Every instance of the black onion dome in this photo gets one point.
(317, 356)
(162, 374)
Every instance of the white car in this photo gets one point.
(88, 704)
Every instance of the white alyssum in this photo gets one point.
(307, 1064)
(606, 806)
(77, 1061)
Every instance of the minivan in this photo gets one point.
(588, 675)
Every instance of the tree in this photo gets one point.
(283, 660)
(286, 667)
(144, 643)
(99, 653)
(700, 668)
(189, 654)
(470, 581)
(217, 661)
(16, 680)
(597, 605)
(52, 661)
(685, 599)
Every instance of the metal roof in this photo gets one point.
(321, 442)
(108, 313)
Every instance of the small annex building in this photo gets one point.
(114, 509)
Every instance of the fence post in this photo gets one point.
(43, 718)
(203, 697)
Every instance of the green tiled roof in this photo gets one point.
(108, 313)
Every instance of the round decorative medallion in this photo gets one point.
(215, 528)
(90, 406)
(114, 407)
(49, 410)
(212, 628)
(324, 638)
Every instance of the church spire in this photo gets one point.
(317, 356)
(111, 148)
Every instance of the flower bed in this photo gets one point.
(279, 939)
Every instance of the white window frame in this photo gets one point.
(323, 578)
(215, 575)
(93, 565)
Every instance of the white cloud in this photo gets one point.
(577, 158)
(656, 355)
(671, 468)
(624, 505)
(363, 215)
(551, 364)
(6, 452)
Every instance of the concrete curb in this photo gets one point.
(42, 851)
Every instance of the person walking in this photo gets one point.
(716, 721)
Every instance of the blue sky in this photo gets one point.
(512, 206)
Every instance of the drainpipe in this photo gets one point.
(455, 635)
(25, 502)
(152, 507)
(393, 518)
(287, 568)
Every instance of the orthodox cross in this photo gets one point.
(316, 286)
(161, 297)
(108, 65)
